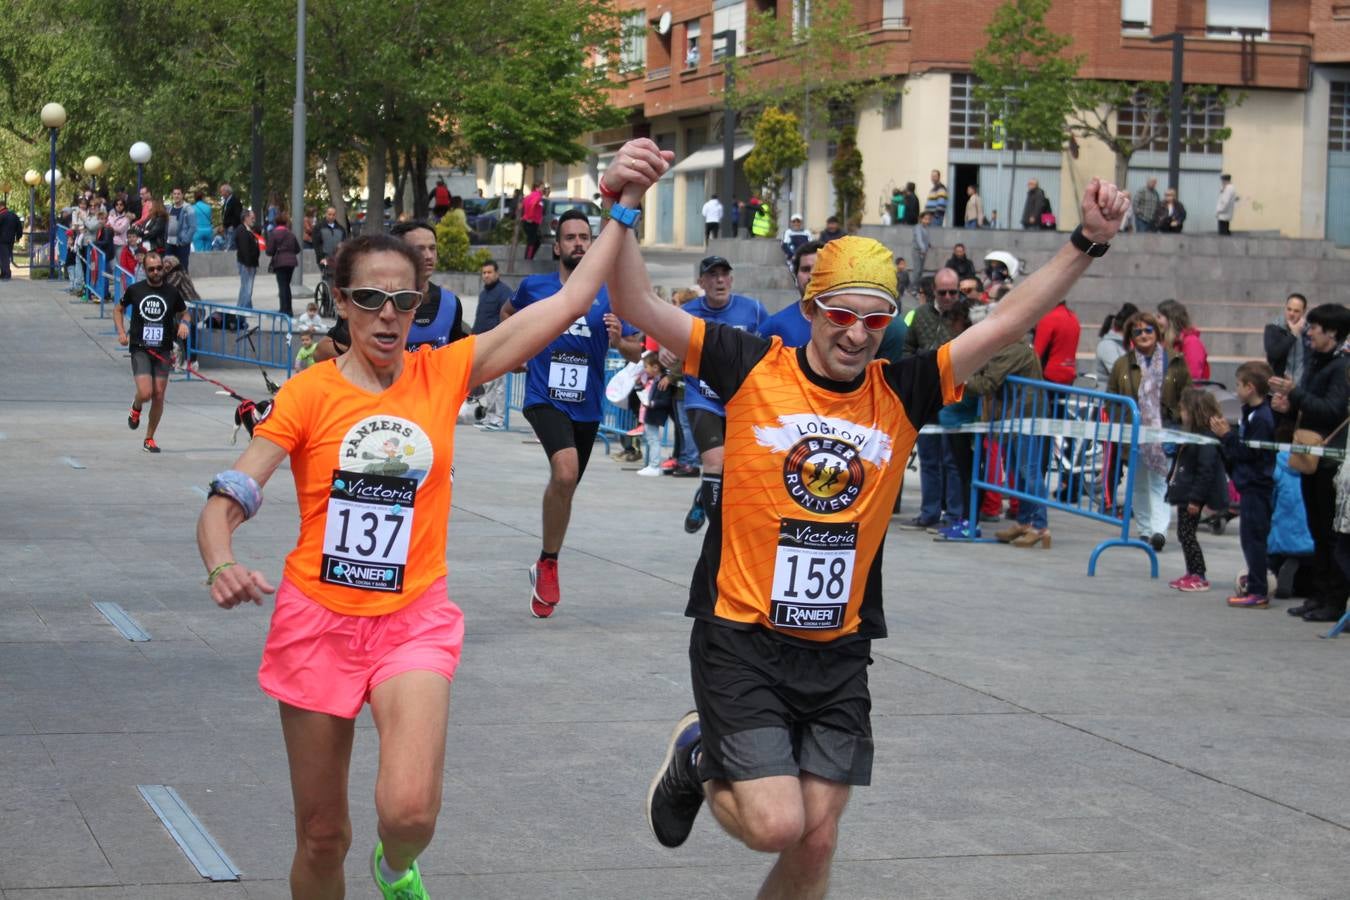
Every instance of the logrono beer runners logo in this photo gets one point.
(387, 445)
(823, 471)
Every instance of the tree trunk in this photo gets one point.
(1122, 170)
(375, 183)
(333, 178)
(418, 159)
(397, 174)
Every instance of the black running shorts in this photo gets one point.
(768, 707)
(710, 429)
(557, 431)
(142, 363)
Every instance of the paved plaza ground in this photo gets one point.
(1039, 733)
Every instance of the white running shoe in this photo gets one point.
(650, 472)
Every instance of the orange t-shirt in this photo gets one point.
(373, 475)
(812, 469)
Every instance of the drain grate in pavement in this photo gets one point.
(188, 832)
(122, 621)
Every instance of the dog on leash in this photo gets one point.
(249, 415)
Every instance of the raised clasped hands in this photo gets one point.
(638, 165)
(1104, 210)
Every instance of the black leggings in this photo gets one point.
(1190, 546)
(283, 274)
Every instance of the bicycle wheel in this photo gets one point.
(323, 296)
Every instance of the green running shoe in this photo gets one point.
(409, 887)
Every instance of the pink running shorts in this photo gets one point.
(323, 661)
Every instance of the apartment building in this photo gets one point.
(1288, 153)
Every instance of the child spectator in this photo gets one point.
(305, 358)
(1197, 481)
(310, 321)
(1253, 473)
(655, 388)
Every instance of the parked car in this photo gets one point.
(554, 207)
(482, 219)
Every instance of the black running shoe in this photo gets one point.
(696, 516)
(149, 445)
(133, 418)
(676, 793)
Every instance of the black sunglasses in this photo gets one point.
(1142, 329)
(373, 299)
(951, 293)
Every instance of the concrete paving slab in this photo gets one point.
(1039, 734)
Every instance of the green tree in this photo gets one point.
(824, 64)
(779, 146)
(1025, 80)
(846, 170)
(1097, 114)
(542, 91)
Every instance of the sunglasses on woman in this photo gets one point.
(373, 299)
(1143, 329)
(844, 318)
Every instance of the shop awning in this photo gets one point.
(710, 157)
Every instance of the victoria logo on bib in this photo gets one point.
(371, 502)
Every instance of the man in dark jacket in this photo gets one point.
(327, 236)
(231, 214)
(246, 254)
(11, 228)
(912, 210)
(928, 331)
(959, 263)
(1318, 403)
(1036, 205)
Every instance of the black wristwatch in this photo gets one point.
(1081, 241)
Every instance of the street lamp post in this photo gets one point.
(140, 155)
(728, 129)
(1178, 41)
(298, 142)
(32, 178)
(95, 166)
(53, 117)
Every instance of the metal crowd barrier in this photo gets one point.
(231, 333)
(95, 275)
(1060, 446)
(615, 420)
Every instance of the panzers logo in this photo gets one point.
(823, 474)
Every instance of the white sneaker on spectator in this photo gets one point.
(649, 472)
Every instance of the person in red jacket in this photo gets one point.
(1057, 344)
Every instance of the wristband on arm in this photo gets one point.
(239, 487)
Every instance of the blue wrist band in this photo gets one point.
(239, 487)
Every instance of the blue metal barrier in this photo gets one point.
(1061, 446)
(229, 332)
(615, 420)
(95, 275)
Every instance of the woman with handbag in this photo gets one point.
(284, 248)
(1318, 407)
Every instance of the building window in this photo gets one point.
(1136, 123)
(968, 117)
(1338, 126)
(728, 15)
(891, 110)
(1136, 15)
(892, 13)
(692, 33)
(633, 41)
(801, 15)
(1224, 16)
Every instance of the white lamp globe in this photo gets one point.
(140, 153)
(32, 178)
(53, 115)
(52, 177)
(94, 165)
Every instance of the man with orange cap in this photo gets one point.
(786, 596)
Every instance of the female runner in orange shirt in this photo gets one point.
(362, 612)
